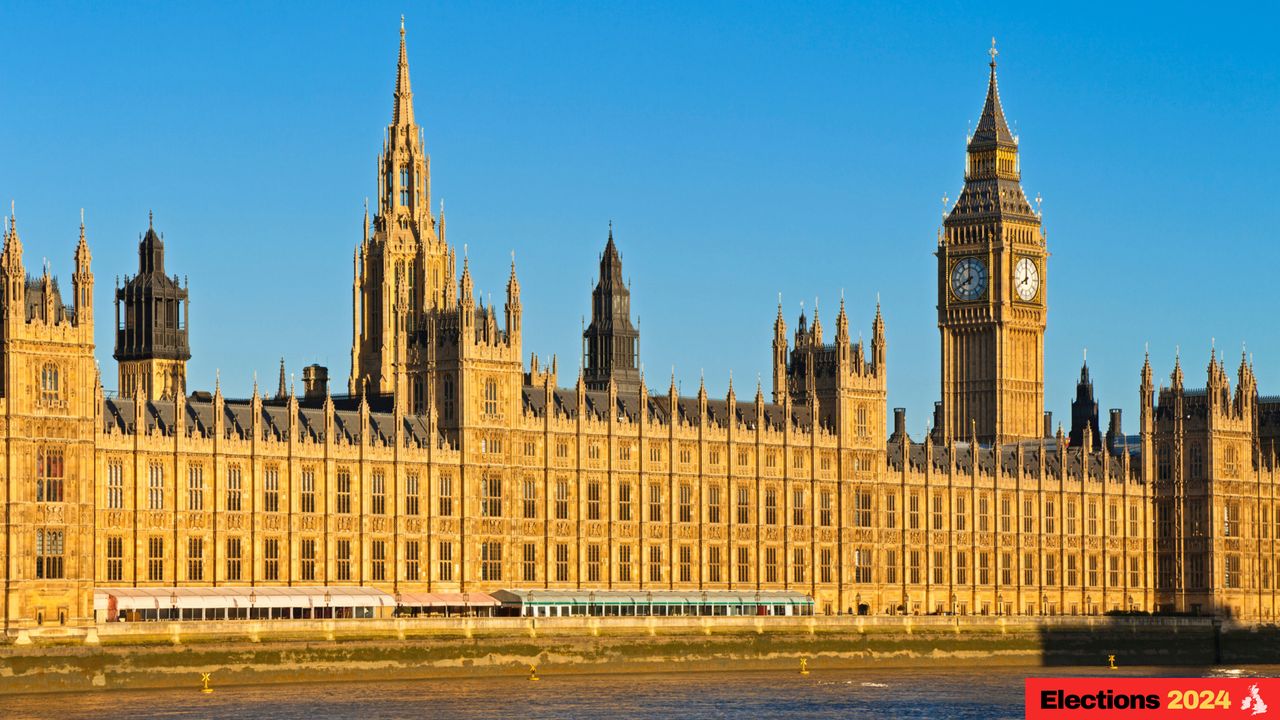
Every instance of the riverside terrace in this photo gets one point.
(354, 602)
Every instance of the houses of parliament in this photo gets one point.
(451, 462)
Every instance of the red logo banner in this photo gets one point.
(1129, 698)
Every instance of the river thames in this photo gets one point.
(959, 693)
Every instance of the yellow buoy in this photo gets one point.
(204, 678)
(533, 673)
(804, 666)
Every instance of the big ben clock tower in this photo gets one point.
(991, 293)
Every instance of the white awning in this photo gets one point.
(184, 598)
(453, 600)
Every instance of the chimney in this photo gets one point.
(1048, 424)
(1113, 429)
(315, 382)
(899, 422)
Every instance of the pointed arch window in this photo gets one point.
(49, 463)
(50, 546)
(404, 185)
(490, 397)
(50, 383)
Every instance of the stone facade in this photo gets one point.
(451, 464)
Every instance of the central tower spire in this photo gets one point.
(403, 266)
(403, 114)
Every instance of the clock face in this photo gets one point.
(1026, 279)
(969, 279)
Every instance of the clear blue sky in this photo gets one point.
(741, 150)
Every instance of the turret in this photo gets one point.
(152, 347)
(815, 335)
(779, 355)
(15, 276)
(842, 338)
(1146, 420)
(355, 307)
(466, 296)
(1246, 388)
(879, 345)
(513, 310)
(82, 280)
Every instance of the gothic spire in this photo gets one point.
(610, 260)
(513, 285)
(282, 391)
(403, 114)
(611, 342)
(992, 129)
(82, 248)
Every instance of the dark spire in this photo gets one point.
(992, 128)
(151, 249)
(1084, 410)
(282, 390)
(611, 342)
(610, 260)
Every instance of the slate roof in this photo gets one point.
(719, 412)
(198, 419)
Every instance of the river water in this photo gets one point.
(959, 693)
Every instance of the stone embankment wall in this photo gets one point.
(163, 654)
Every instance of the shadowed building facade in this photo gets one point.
(453, 464)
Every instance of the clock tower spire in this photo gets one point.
(991, 291)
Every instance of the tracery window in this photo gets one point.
(49, 477)
(50, 545)
(115, 486)
(195, 487)
(233, 488)
(490, 397)
(50, 383)
(155, 487)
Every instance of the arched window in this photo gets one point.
(50, 383)
(490, 397)
(49, 473)
(448, 398)
(49, 551)
(404, 185)
(155, 487)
